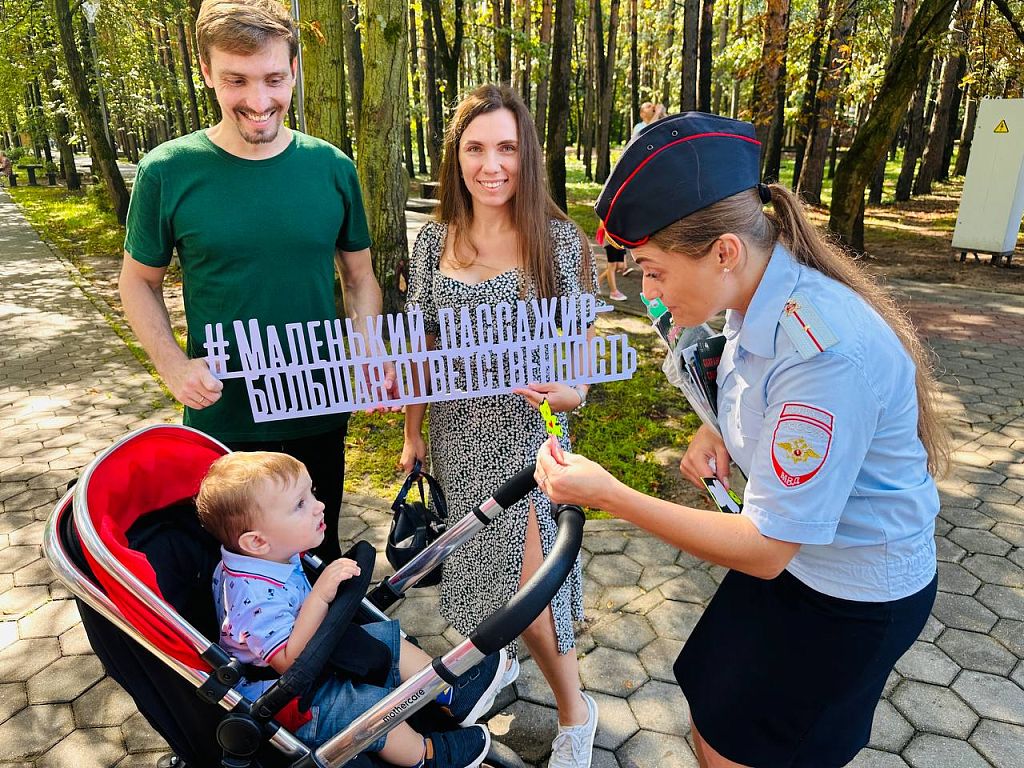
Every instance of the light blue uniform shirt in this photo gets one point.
(257, 603)
(828, 439)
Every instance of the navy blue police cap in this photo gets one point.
(674, 167)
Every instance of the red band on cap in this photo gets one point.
(629, 178)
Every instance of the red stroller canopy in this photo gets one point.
(147, 471)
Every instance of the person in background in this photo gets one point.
(616, 258)
(646, 116)
(5, 166)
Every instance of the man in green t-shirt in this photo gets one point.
(256, 213)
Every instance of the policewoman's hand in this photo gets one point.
(705, 456)
(568, 478)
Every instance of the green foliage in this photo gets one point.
(625, 423)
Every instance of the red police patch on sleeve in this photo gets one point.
(800, 445)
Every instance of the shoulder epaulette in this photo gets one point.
(803, 325)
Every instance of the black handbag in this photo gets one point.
(415, 525)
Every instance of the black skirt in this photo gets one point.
(777, 674)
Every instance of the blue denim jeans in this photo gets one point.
(339, 702)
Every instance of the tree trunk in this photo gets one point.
(417, 91)
(915, 142)
(606, 91)
(322, 55)
(435, 125)
(155, 90)
(723, 40)
(953, 132)
(92, 122)
(173, 82)
(353, 47)
(670, 41)
(591, 75)
(808, 107)
(448, 55)
(704, 54)
(770, 71)
(773, 148)
(691, 38)
(524, 69)
(211, 98)
(558, 109)
(908, 67)
(1004, 8)
(966, 136)
(186, 68)
(944, 114)
(737, 82)
(634, 66)
(546, 15)
(384, 183)
(62, 129)
(813, 171)
(501, 15)
(900, 20)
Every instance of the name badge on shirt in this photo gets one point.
(800, 445)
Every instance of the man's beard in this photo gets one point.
(266, 136)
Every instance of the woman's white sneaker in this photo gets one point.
(573, 747)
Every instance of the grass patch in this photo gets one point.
(627, 423)
(73, 221)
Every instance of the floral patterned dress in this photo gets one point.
(477, 444)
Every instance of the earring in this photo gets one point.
(725, 270)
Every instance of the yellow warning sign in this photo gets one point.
(1001, 128)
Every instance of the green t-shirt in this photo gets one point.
(256, 239)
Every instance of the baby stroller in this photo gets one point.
(126, 542)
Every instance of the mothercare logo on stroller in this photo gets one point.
(127, 543)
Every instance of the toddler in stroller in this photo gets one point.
(127, 542)
(261, 508)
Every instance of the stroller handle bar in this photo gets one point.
(509, 621)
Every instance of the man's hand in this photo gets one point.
(342, 569)
(705, 456)
(192, 383)
(388, 384)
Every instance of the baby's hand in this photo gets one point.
(342, 569)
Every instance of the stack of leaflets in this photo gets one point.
(695, 353)
(692, 366)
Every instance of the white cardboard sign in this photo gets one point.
(327, 366)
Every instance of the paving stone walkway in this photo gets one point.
(69, 387)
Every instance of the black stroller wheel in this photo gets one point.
(500, 756)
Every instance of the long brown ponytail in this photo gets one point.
(743, 214)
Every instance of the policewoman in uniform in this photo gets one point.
(825, 403)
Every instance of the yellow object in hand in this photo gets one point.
(551, 425)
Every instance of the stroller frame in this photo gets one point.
(493, 633)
